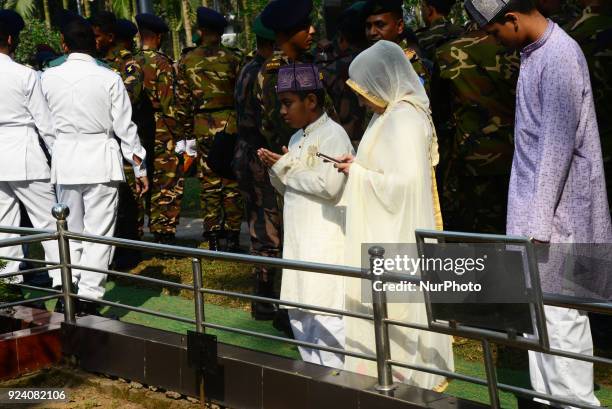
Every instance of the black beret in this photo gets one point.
(125, 29)
(443, 6)
(286, 15)
(64, 17)
(148, 21)
(373, 7)
(11, 23)
(211, 19)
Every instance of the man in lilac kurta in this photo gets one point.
(557, 188)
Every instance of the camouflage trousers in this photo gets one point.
(166, 184)
(260, 199)
(131, 208)
(220, 200)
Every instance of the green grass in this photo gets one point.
(468, 356)
(512, 364)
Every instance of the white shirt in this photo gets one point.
(23, 111)
(313, 224)
(89, 104)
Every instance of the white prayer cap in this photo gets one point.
(484, 11)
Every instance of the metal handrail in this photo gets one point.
(381, 321)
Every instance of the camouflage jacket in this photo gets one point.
(423, 67)
(205, 83)
(593, 32)
(122, 62)
(247, 109)
(441, 32)
(474, 103)
(351, 115)
(159, 80)
(273, 128)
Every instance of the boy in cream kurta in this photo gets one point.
(313, 223)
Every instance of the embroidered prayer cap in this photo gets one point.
(11, 23)
(485, 11)
(298, 77)
(211, 19)
(262, 31)
(286, 15)
(373, 7)
(148, 21)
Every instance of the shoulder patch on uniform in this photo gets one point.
(273, 64)
(410, 53)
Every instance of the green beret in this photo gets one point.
(262, 31)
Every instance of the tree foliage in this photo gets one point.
(35, 33)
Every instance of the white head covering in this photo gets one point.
(383, 75)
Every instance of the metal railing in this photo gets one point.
(381, 321)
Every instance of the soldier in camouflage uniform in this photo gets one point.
(294, 33)
(439, 29)
(206, 81)
(384, 21)
(263, 215)
(350, 42)
(473, 108)
(158, 89)
(561, 12)
(290, 20)
(593, 32)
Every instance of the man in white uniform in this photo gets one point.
(24, 172)
(313, 223)
(89, 104)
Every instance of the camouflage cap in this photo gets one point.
(298, 77)
(485, 11)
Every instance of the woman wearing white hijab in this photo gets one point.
(390, 193)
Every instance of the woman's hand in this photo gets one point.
(268, 157)
(345, 163)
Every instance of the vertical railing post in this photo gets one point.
(196, 267)
(60, 212)
(381, 331)
(491, 375)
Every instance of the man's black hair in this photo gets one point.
(263, 42)
(79, 37)
(319, 93)
(351, 26)
(442, 6)
(105, 21)
(518, 6)
(3, 38)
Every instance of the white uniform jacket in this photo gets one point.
(89, 104)
(23, 111)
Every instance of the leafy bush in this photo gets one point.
(34, 34)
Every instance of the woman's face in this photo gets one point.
(370, 106)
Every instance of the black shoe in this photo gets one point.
(213, 240)
(232, 239)
(281, 322)
(87, 308)
(264, 287)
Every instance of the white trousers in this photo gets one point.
(38, 197)
(568, 330)
(93, 210)
(326, 330)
